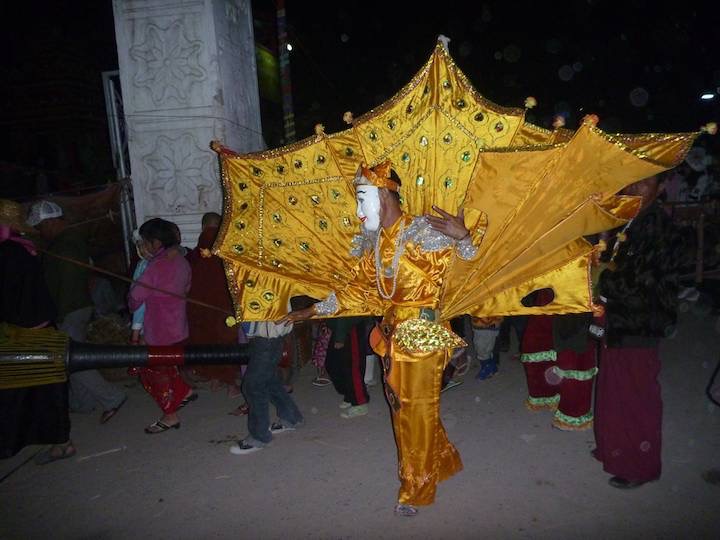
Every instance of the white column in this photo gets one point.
(188, 76)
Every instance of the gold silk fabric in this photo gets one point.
(530, 197)
(414, 350)
(425, 455)
(417, 285)
(530, 194)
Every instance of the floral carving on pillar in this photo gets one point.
(179, 178)
(168, 62)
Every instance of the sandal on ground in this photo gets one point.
(188, 399)
(405, 510)
(233, 392)
(451, 384)
(107, 415)
(55, 453)
(159, 427)
(241, 410)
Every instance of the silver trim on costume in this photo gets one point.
(466, 250)
(362, 243)
(420, 232)
(329, 306)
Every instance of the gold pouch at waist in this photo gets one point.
(420, 335)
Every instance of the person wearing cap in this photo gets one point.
(68, 283)
(36, 414)
(402, 263)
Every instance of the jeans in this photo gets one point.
(262, 386)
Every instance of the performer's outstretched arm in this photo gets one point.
(359, 296)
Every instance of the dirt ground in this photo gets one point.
(336, 478)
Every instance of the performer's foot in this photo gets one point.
(622, 483)
(405, 510)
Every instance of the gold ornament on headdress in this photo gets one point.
(378, 176)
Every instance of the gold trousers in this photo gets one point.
(425, 456)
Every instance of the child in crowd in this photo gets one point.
(485, 332)
(139, 314)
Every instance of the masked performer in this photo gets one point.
(529, 197)
(400, 274)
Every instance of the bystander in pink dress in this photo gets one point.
(165, 323)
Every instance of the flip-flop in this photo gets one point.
(159, 427)
(234, 392)
(46, 456)
(321, 381)
(191, 397)
(451, 384)
(107, 415)
(241, 410)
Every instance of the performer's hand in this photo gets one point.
(339, 345)
(449, 225)
(297, 315)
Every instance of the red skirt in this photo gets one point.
(628, 413)
(164, 384)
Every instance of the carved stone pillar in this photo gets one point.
(188, 76)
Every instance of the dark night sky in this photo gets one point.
(640, 65)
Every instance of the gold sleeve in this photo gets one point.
(360, 295)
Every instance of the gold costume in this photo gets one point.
(404, 284)
(289, 213)
(530, 198)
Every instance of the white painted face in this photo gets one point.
(368, 207)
